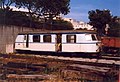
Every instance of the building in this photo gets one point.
(79, 24)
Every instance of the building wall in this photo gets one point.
(8, 35)
(79, 24)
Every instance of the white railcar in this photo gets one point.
(58, 41)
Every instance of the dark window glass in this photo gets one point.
(93, 37)
(47, 38)
(36, 38)
(25, 37)
(71, 38)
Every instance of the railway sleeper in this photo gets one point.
(69, 74)
(112, 50)
(34, 78)
(103, 71)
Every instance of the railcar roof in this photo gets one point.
(58, 31)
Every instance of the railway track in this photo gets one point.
(30, 64)
(107, 56)
(102, 59)
(111, 58)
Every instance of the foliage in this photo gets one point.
(62, 25)
(47, 8)
(55, 7)
(38, 10)
(114, 27)
(9, 17)
(99, 19)
(58, 25)
(81, 29)
(5, 3)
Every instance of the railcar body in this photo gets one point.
(58, 41)
(111, 44)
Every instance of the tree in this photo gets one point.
(28, 4)
(114, 29)
(5, 10)
(62, 25)
(54, 8)
(99, 19)
(5, 3)
(46, 8)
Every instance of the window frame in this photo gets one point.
(47, 38)
(94, 38)
(37, 39)
(88, 37)
(69, 38)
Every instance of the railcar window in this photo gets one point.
(36, 38)
(47, 38)
(88, 37)
(93, 37)
(71, 38)
(25, 37)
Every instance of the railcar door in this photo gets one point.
(58, 46)
(26, 41)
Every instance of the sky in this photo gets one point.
(79, 8)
